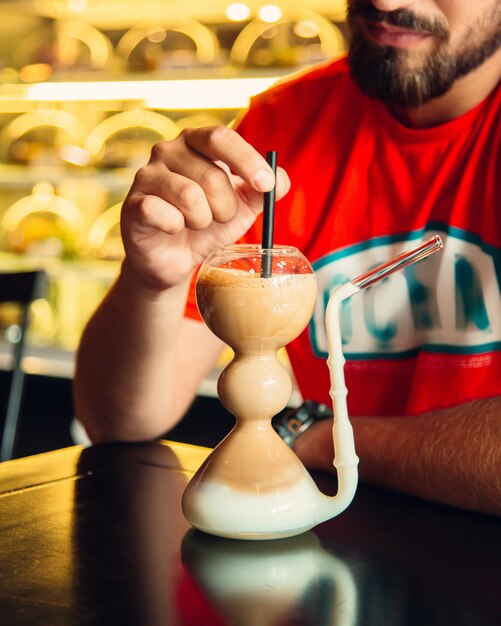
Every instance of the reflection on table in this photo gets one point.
(96, 536)
(266, 583)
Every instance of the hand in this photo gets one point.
(200, 191)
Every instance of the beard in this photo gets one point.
(386, 73)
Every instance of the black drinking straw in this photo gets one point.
(268, 219)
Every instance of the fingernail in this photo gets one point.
(264, 180)
(283, 181)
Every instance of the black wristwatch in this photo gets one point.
(291, 423)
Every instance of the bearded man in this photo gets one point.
(400, 139)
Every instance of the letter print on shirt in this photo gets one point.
(448, 303)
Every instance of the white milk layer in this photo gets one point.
(282, 512)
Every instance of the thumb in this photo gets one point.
(254, 198)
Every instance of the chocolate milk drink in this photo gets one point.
(252, 466)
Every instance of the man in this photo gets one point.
(406, 141)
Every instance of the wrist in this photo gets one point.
(131, 282)
(291, 424)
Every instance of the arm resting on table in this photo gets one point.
(140, 363)
(451, 455)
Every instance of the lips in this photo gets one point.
(396, 36)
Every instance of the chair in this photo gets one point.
(21, 288)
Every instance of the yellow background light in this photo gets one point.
(270, 13)
(237, 12)
(173, 94)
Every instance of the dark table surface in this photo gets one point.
(96, 536)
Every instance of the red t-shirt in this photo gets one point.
(364, 188)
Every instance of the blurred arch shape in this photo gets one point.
(205, 41)
(52, 216)
(159, 124)
(100, 48)
(65, 121)
(65, 43)
(312, 25)
(104, 238)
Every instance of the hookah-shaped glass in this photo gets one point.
(252, 485)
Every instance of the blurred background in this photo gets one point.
(87, 86)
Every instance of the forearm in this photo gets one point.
(451, 456)
(125, 375)
(140, 363)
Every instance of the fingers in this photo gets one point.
(255, 199)
(206, 156)
(219, 143)
(156, 188)
(315, 447)
(153, 212)
(203, 175)
(192, 182)
(283, 183)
